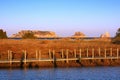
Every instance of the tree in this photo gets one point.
(2, 34)
(28, 35)
(117, 37)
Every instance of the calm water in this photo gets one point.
(97, 73)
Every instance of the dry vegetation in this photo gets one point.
(31, 45)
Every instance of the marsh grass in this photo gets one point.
(31, 45)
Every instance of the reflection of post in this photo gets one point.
(80, 55)
(87, 52)
(92, 52)
(67, 56)
(117, 53)
(105, 52)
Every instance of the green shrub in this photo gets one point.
(2, 34)
(29, 35)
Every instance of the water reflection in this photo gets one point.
(88, 73)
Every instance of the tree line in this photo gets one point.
(30, 35)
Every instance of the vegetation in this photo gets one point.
(2, 34)
(33, 45)
(28, 35)
(117, 37)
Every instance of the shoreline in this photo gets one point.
(17, 47)
(85, 63)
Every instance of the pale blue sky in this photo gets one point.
(92, 17)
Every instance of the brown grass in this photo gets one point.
(31, 45)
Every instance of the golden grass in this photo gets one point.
(34, 44)
(31, 45)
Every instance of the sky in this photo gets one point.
(65, 17)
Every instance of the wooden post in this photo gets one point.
(99, 52)
(117, 53)
(25, 56)
(92, 52)
(75, 53)
(105, 52)
(39, 54)
(62, 54)
(53, 56)
(10, 56)
(67, 56)
(87, 52)
(50, 54)
(111, 52)
(80, 55)
(36, 56)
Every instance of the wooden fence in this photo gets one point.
(79, 55)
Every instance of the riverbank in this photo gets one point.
(31, 46)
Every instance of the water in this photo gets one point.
(87, 73)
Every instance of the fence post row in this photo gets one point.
(77, 55)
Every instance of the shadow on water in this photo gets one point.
(21, 62)
(55, 64)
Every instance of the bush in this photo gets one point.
(29, 35)
(2, 34)
(116, 39)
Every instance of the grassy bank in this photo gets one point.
(31, 45)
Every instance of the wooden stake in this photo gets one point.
(36, 54)
(111, 52)
(105, 52)
(67, 56)
(39, 54)
(87, 52)
(80, 55)
(53, 56)
(117, 53)
(99, 52)
(75, 53)
(93, 53)
(10, 57)
(8, 54)
(25, 56)
(50, 54)
(62, 54)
